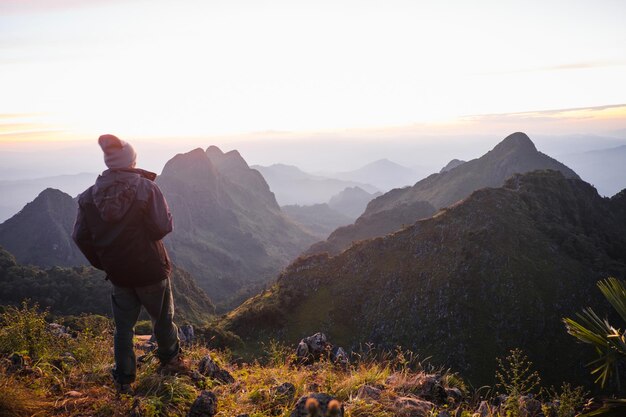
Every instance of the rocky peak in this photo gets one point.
(228, 161)
(515, 142)
(190, 165)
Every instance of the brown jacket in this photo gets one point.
(121, 221)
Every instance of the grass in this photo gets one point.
(47, 385)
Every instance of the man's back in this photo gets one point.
(122, 219)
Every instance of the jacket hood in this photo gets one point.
(115, 191)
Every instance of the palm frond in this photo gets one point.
(615, 292)
(610, 408)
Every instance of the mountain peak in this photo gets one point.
(517, 141)
(214, 151)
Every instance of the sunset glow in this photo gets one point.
(177, 69)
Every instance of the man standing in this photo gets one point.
(121, 221)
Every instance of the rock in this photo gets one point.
(208, 367)
(412, 407)
(317, 343)
(483, 409)
(429, 388)
(285, 391)
(320, 404)
(186, 334)
(302, 351)
(339, 356)
(204, 406)
(443, 413)
(58, 330)
(454, 394)
(529, 406)
(369, 392)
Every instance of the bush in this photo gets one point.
(24, 329)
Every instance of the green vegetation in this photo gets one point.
(78, 290)
(608, 341)
(68, 376)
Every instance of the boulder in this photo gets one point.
(209, 368)
(412, 407)
(285, 391)
(186, 334)
(529, 406)
(204, 406)
(369, 392)
(339, 356)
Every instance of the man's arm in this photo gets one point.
(82, 238)
(159, 219)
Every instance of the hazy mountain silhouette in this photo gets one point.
(451, 165)
(41, 233)
(352, 201)
(403, 206)
(16, 193)
(294, 186)
(383, 174)
(604, 168)
(229, 231)
(498, 270)
(317, 219)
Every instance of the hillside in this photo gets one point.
(84, 290)
(41, 233)
(515, 154)
(318, 219)
(351, 201)
(496, 271)
(229, 231)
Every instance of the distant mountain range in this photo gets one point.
(496, 271)
(318, 219)
(294, 186)
(382, 174)
(342, 209)
(403, 206)
(16, 193)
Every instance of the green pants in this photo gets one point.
(126, 303)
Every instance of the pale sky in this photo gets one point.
(156, 68)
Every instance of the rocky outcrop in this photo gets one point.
(204, 406)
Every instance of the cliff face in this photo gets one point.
(516, 154)
(229, 231)
(496, 271)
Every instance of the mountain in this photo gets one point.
(351, 201)
(451, 165)
(294, 186)
(41, 233)
(497, 271)
(383, 174)
(229, 231)
(317, 219)
(78, 290)
(604, 168)
(16, 193)
(516, 154)
(403, 206)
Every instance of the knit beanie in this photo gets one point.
(117, 153)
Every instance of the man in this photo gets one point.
(121, 221)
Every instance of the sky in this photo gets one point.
(166, 70)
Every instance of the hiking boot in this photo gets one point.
(175, 366)
(123, 388)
